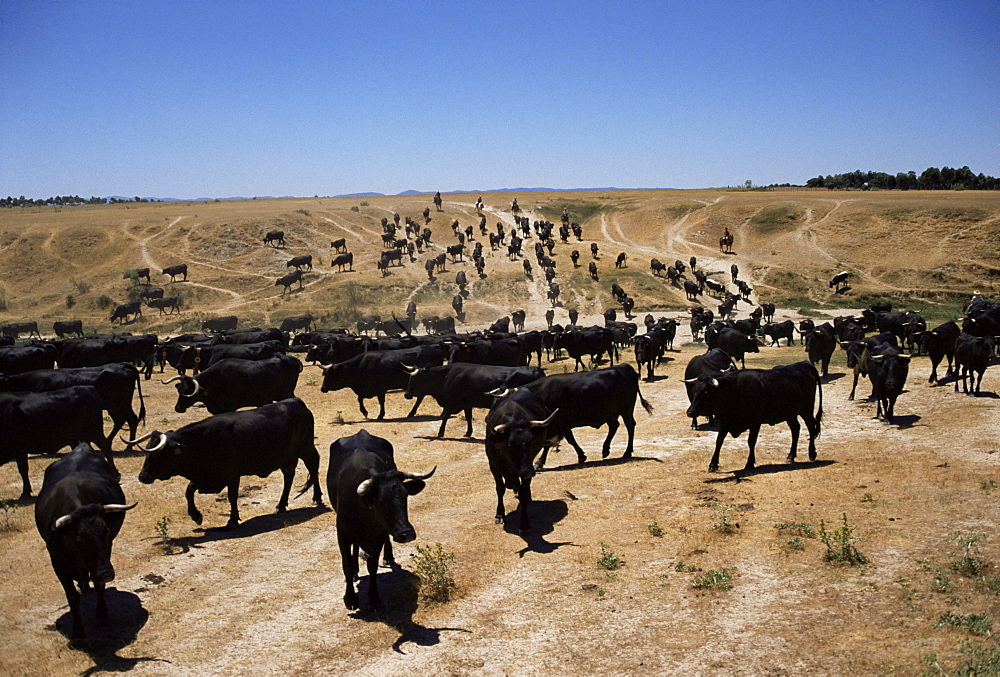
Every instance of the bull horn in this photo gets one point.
(364, 487)
(171, 380)
(324, 367)
(715, 383)
(419, 476)
(905, 358)
(689, 380)
(408, 369)
(137, 440)
(541, 424)
(876, 358)
(499, 429)
(118, 507)
(197, 388)
(159, 445)
(498, 392)
(61, 522)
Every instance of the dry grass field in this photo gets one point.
(718, 573)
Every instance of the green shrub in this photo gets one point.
(104, 302)
(84, 287)
(609, 560)
(839, 544)
(654, 529)
(436, 582)
(714, 578)
(968, 562)
(977, 624)
(799, 528)
(723, 523)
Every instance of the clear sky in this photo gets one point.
(224, 98)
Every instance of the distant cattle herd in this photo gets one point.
(53, 393)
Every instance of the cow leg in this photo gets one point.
(349, 562)
(361, 405)
(793, 425)
(102, 603)
(193, 511)
(387, 557)
(445, 413)
(498, 480)
(612, 429)
(73, 598)
(468, 417)
(580, 456)
(752, 443)
(854, 387)
(629, 421)
(288, 473)
(713, 465)
(234, 510)
(540, 463)
(22, 469)
(416, 405)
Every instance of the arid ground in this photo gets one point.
(920, 495)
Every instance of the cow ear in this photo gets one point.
(414, 487)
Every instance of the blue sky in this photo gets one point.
(216, 99)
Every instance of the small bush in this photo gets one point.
(609, 560)
(839, 544)
(796, 544)
(654, 529)
(364, 203)
(968, 562)
(163, 531)
(104, 302)
(977, 624)
(355, 209)
(989, 485)
(723, 523)
(70, 301)
(685, 568)
(798, 528)
(8, 517)
(83, 287)
(304, 212)
(436, 582)
(3, 302)
(714, 578)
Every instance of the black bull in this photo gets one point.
(79, 511)
(369, 495)
(743, 400)
(214, 453)
(462, 386)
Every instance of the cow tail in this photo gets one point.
(310, 483)
(142, 403)
(642, 400)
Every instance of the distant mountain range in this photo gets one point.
(374, 194)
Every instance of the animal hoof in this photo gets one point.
(197, 517)
(498, 520)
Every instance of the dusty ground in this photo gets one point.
(267, 596)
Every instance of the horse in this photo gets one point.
(726, 244)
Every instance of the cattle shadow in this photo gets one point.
(399, 590)
(126, 617)
(602, 463)
(904, 422)
(831, 377)
(255, 526)
(769, 469)
(842, 290)
(654, 378)
(544, 515)
(446, 438)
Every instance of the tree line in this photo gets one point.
(932, 178)
(63, 200)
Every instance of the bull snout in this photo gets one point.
(146, 477)
(405, 536)
(105, 573)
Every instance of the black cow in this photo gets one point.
(218, 324)
(592, 268)
(137, 274)
(713, 363)
(373, 374)
(887, 369)
(716, 288)
(231, 384)
(340, 245)
(215, 452)
(44, 423)
(15, 329)
(736, 344)
(170, 302)
(593, 249)
(780, 330)
(22, 358)
(939, 343)
(594, 341)
(972, 355)
(122, 312)
(820, 344)
(592, 398)
(115, 383)
(275, 238)
(506, 352)
(286, 281)
(517, 319)
(174, 271)
(516, 430)
(346, 259)
(455, 251)
(93, 352)
(743, 400)
(649, 349)
(858, 353)
(463, 386)
(300, 262)
(767, 312)
(369, 495)
(64, 327)
(296, 322)
(79, 511)
(691, 290)
(150, 293)
(621, 261)
(656, 267)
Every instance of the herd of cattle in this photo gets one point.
(54, 394)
